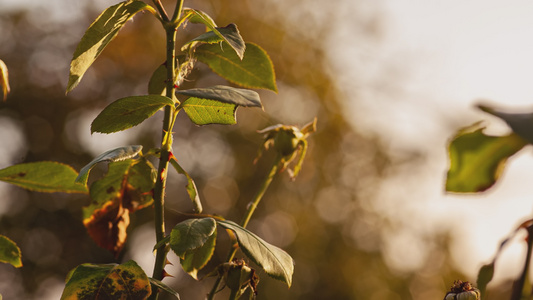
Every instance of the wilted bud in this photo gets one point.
(239, 276)
(288, 141)
(463, 291)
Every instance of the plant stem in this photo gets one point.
(166, 145)
(249, 212)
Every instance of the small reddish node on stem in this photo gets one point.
(176, 86)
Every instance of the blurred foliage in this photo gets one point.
(322, 219)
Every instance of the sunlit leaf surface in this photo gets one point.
(10, 252)
(255, 70)
(45, 176)
(128, 112)
(477, 160)
(98, 36)
(204, 111)
(191, 234)
(276, 262)
(111, 281)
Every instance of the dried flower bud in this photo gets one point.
(463, 291)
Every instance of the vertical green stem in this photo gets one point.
(249, 212)
(166, 145)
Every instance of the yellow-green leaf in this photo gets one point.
(477, 160)
(127, 112)
(10, 252)
(191, 234)
(45, 176)
(204, 111)
(255, 70)
(194, 260)
(110, 281)
(99, 35)
(276, 262)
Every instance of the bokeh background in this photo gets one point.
(390, 83)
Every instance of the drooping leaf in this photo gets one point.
(117, 154)
(45, 176)
(191, 186)
(128, 112)
(195, 260)
(229, 34)
(157, 84)
(10, 252)
(164, 287)
(191, 234)
(204, 112)
(226, 94)
(276, 262)
(110, 281)
(520, 123)
(98, 36)
(124, 189)
(4, 79)
(255, 70)
(477, 160)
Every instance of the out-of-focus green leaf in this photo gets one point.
(10, 252)
(255, 70)
(128, 112)
(520, 123)
(195, 260)
(191, 186)
(229, 34)
(45, 176)
(4, 79)
(191, 234)
(164, 287)
(276, 262)
(124, 189)
(484, 276)
(110, 281)
(477, 160)
(98, 36)
(117, 154)
(204, 111)
(226, 94)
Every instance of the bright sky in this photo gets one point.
(415, 86)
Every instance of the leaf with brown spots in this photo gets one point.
(110, 281)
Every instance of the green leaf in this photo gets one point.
(157, 83)
(255, 70)
(164, 287)
(226, 94)
(128, 112)
(199, 17)
(229, 34)
(4, 80)
(45, 176)
(125, 189)
(191, 234)
(10, 252)
(276, 262)
(195, 260)
(485, 276)
(203, 111)
(520, 123)
(191, 186)
(117, 154)
(99, 35)
(110, 281)
(477, 160)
